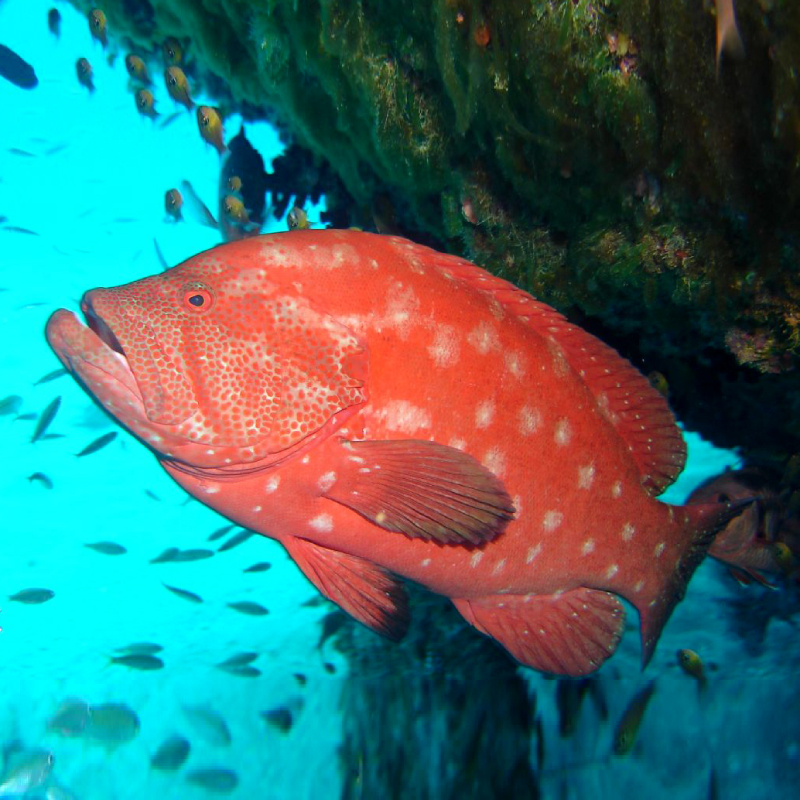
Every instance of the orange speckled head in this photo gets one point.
(213, 363)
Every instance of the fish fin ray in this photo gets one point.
(702, 523)
(422, 489)
(568, 634)
(365, 591)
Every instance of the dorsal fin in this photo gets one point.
(640, 415)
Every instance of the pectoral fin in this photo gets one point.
(422, 489)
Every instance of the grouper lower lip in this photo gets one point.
(93, 354)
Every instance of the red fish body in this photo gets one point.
(382, 409)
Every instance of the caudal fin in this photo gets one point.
(700, 524)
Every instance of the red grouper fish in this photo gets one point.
(385, 410)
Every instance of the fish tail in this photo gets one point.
(698, 524)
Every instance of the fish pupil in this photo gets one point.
(197, 300)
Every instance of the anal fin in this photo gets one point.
(364, 590)
(571, 633)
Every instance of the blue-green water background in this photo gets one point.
(91, 189)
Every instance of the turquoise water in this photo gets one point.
(84, 176)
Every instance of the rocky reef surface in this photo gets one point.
(595, 153)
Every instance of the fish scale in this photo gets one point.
(407, 390)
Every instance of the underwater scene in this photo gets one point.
(400, 399)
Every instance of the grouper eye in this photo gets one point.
(197, 300)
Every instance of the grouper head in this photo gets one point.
(215, 364)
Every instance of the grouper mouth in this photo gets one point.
(94, 355)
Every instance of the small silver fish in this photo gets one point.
(215, 779)
(141, 661)
(107, 548)
(171, 754)
(32, 597)
(48, 415)
(30, 769)
(184, 593)
(98, 444)
(249, 607)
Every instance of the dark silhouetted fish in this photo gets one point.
(280, 717)
(244, 672)
(165, 555)
(220, 532)
(16, 69)
(191, 555)
(107, 548)
(41, 478)
(171, 755)
(48, 415)
(141, 661)
(249, 607)
(214, 779)
(32, 597)
(112, 723)
(238, 660)
(54, 22)
(184, 593)
(70, 719)
(98, 444)
(51, 376)
(261, 566)
(235, 540)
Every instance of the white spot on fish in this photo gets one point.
(272, 484)
(403, 417)
(659, 549)
(484, 338)
(517, 501)
(256, 509)
(588, 547)
(552, 519)
(627, 532)
(515, 364)
(616, 490)
(612, 571)
(326, 480)
(445, 349)
(533, 552)
(476, 557)
(529, 420)
(495, 461)
(305, 459)
(498, 567)
(586, 476)
(459, 444)
(211, 489)
(322, 523)
(426, 562)
(638, 586)
(563, 432)
(484, 413)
